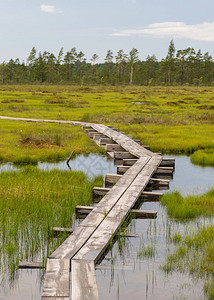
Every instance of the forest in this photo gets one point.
(179, 67)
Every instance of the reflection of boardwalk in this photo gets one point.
(70, 272)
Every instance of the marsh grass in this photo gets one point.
(195, 255)
(169, 119)
(147, 251)
(186, 208)
(31, 203)
(203, 157)
(195, 251)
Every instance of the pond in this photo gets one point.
(124, 274)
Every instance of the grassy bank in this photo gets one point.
(31, 203)
(203, 157)
(195, 252)
(185, 208)
(170, 119)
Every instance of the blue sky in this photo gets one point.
(96, 26)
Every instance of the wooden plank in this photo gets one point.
(125, 142)
(110, 155)
(114, 147)
(31, 265)
(129, 161)
(100, 191)
(111, 179)
(55, 298)
(123, 155)
(91, 134)
(143, 214)
(83, 211)
(104, 141)
(57, 277)
(100, 239)
(62, 229)
(98, 136)
(84, 284)
(151, 196)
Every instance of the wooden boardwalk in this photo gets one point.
(70, 271)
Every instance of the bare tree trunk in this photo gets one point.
(131, 74)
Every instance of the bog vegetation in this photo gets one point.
(195, 251)
(31, 203)
(169, 119)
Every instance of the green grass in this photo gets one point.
(195, 255)
(31, 203)
(147, 251)
(195, 252)
(203, 157)
(169, 119)
(185, 208)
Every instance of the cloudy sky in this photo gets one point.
(94, 26)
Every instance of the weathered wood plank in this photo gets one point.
(143, 214)
(104, 141)
(100, 239)
(57, 277)
(31, 265)
(83, 211)
(84, 284)
(114, 147)
(123, 155)
(129, 161)
(55, 298)
(62, 229)
(111, 179)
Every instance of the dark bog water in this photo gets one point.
(125, 275)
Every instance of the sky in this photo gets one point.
(96, 26)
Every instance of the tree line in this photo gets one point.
(181, 67)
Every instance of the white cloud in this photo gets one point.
(200, 32)
(47, 8)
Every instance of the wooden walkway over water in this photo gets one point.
(70, 271)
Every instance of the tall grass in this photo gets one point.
(203, 157)
(195, 255)
(195, 252)
(185, 208)
(31, 203)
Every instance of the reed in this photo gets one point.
(31, 203)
